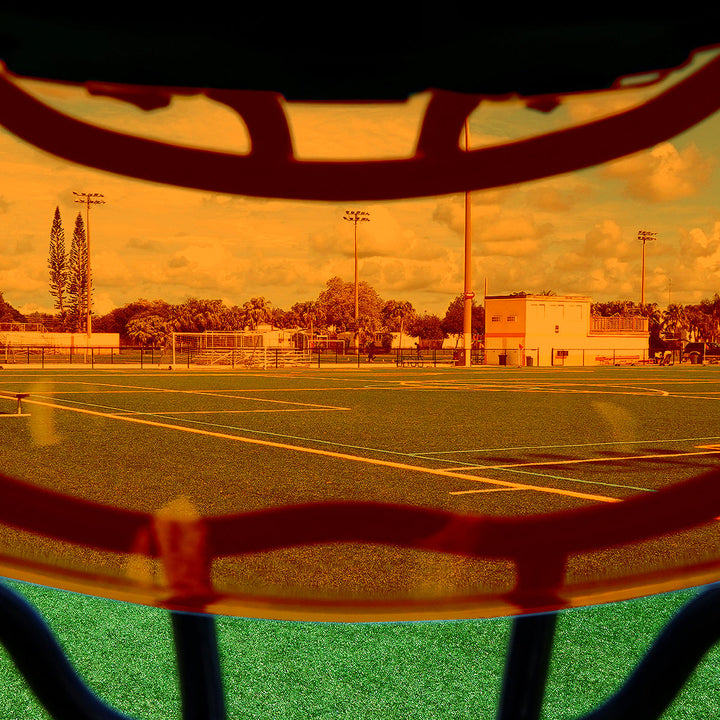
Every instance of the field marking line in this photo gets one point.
(228, 412)
(329, 453)
(693, 397)
(213, 394)
(591, 460)
(565, 445)
(202, 392)
(483, 490)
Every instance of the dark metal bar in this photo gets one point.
(667, 666)
(198, 666)
(527, 667)
(42, 662)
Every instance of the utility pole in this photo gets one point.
(88, 199)
(644, 236)
(468, 294)
(356, 216)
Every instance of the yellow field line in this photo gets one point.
(213, 394)
(228, 412)
(590, 460)
(330, 453)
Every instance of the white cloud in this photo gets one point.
(663, 173)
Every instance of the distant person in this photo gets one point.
(417, 348)
(371, 352)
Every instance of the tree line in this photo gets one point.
(69, 274)
(151, 323)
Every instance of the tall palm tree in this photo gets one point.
(257, 310)
(674, 321)
(396, 314)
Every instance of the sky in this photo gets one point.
(574, 234)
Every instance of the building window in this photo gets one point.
(495, 318)
(511, 318)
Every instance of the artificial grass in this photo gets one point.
(298, 671)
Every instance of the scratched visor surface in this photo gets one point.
(402, 495)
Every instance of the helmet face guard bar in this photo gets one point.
(270, 169)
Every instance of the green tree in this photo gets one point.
(453, 322)
(256, 310)
(614, 307)
(309, 314)
(428, 327)
(149, 330)
(78, 277)
(398, 315)
(674, 321)
(8, 314)
(338, 303)
(58, 264)
(196, 315)
(116, 321)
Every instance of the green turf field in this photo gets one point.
(497, 441)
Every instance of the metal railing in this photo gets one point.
(618, 324)
(46, 355)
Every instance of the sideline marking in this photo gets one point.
(228, 412)
(329, 453)
(567, 445)
(484, 490)
(593, 460)
(141, 388)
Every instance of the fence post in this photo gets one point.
(42, 358)
(141, 358)
(92, 358)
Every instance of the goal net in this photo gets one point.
(237, 349)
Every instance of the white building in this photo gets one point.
(559, 330)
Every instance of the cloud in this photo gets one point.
(606, 240)
(547, 197)
(664, 173)
(136, 243)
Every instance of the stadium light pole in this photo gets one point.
(88, 199)
(356, 216)
(644, 236)
(468, 294)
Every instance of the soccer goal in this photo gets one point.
(236, 349)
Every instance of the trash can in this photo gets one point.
(502, 359)
(529, 361)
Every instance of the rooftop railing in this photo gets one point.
(618, 323)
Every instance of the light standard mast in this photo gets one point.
(356, 216)
(644, 236)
